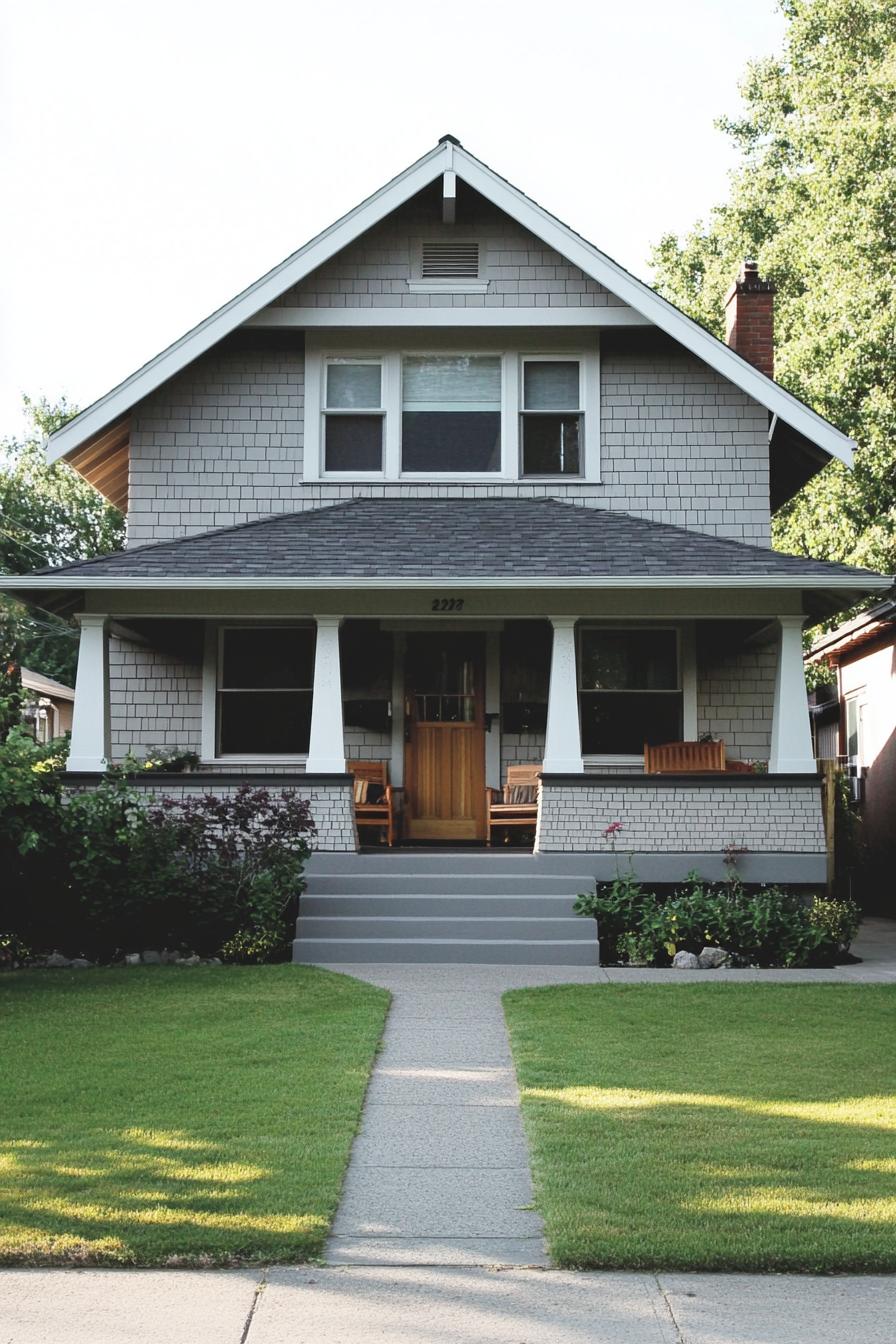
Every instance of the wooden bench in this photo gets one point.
(684, 758)
(502, 812)
(380, 812)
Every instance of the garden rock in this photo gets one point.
(151, 958)
(188, 961)
(81, 964)
(132, 959)
(711, 958)
(686, 961)
(57, 962)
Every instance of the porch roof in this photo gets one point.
(479, 542)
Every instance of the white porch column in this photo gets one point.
(563, 741)
(791, 752)
(88, 747)
(326, 750)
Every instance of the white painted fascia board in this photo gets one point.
(471, 318)
(29, 582)
(227, 318)
(651, 305)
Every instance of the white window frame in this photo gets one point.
(588, 395)
(321, 349)
(686, 655)
(856, 700)
(211, 664)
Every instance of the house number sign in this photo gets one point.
(447, 604)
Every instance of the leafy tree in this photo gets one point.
(49, 515)
(814, 201)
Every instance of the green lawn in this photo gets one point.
(166, 1116)
(711, 1127)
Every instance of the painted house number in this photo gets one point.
(447, 604)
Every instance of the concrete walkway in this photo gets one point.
(439, 1174)
(439, 1305)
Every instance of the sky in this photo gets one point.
(158, 158)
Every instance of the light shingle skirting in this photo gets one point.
(330, 796)
(697, 814)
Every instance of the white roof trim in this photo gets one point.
(51, 583)
(594, 263)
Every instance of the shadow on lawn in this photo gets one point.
(124, 1197)
(647, 1178)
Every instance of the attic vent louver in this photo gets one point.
(450, 261)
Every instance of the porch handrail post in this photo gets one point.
(326, 748)
(791, 750)
(88, 750)
(563, 739)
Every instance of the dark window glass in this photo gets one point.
(551, 445)
(264, 691)
(434, 441)
(265, 658)
(628, 660)
(621, 722)
(353, 443)
(451, 417)
(263, 723)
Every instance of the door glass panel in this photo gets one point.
(442, 680)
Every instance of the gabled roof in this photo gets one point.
(450, 156)
(464, 543)
(874, 624)
(36, 681)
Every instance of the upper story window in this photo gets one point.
(353, 415)
(450, 413)
(551, 430)
(387, 413)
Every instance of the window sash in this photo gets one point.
(297, 695)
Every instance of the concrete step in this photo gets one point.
(503, 952)
(452, 861)
(484, 903)
(468, 927)
(416, 883)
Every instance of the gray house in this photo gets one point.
(450, 490)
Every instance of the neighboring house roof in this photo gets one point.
(97, 437)
(36, 681)
(875, 623)
(469, 543)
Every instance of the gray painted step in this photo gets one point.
(484, 904)
(491, 861)
(442, 927)
(515, 952)
(415, 883)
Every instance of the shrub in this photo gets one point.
(839, 920)
(34, 886)
(620, 907)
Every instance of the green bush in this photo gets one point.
(763, 927)
(189, 872)
(839, 920)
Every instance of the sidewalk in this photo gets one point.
(443, 1305)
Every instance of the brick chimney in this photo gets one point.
(750, 318)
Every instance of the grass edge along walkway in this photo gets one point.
(164, 1116)
(746, 1127)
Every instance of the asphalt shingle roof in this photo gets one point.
(451, 538)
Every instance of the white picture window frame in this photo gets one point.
(323, 348)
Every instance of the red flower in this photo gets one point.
(612, 829)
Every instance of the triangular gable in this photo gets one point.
(447, 157)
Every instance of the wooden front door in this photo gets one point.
(444, 766)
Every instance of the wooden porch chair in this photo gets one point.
(517, 803)
(374, 796)
(684, 758)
